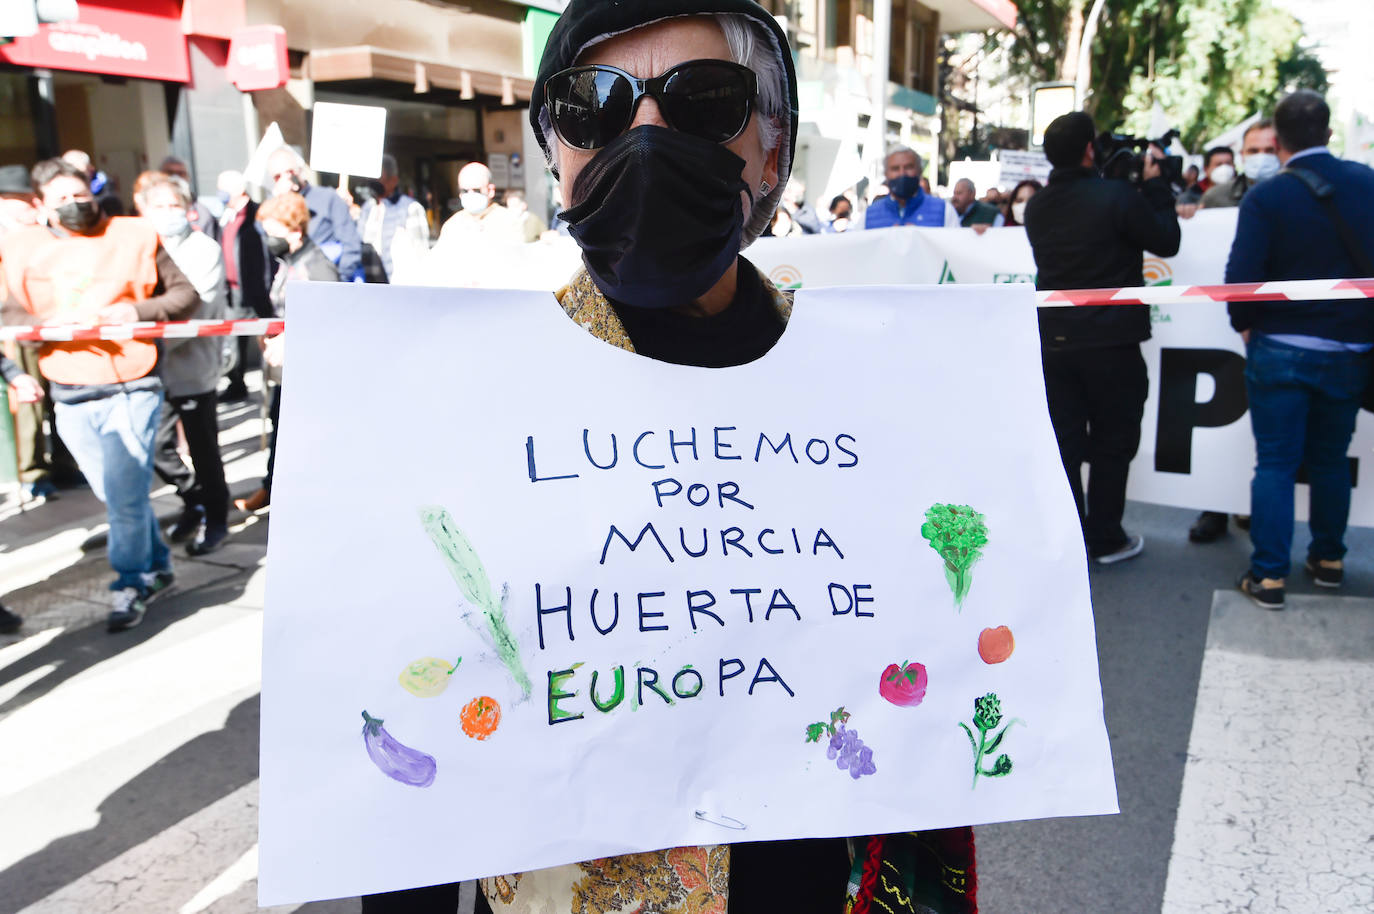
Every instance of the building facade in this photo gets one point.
(835, 46)
(132, 81)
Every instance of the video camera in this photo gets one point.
(1122, 157)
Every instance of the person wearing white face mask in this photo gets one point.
(191, 371)
(480, 213)
(1258, 160)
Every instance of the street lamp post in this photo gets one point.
(882, 52)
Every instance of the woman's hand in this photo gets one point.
(27, 389)
(274, 353)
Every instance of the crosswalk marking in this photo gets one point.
(1274, 812)
(240, 872)
(124, 698)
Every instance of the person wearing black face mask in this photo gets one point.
(671, 126)
(285, 222)
(906, 202)
(82, 267)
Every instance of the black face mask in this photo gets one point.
(905, 187)
(79, 216)
(658, 216)
(278, 247)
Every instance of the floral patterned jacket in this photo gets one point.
(680, 880)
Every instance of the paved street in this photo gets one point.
(1242, 739)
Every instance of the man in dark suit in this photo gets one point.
(1308, 362)
(247, 268)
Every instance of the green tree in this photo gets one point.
(1208, 63)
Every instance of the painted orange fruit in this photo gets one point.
(480, 717)
(996, 644)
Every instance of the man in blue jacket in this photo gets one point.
(906, 203)
(1308, 362)
(331, 223)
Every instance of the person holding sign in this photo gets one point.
(671, 125)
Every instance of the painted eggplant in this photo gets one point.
(397, 761)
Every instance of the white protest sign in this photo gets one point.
(692, 606)
(255, 172)
(347, 139)
(1023, 166)
(982, 174)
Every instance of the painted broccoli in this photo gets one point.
(958, 534)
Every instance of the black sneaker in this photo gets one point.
(1135, 545)
(1323, 576)
(9, 622)
(208, 540)
(1209, 527)
(188, 525)
(128, 610)
(156, 582)
(1263, 597)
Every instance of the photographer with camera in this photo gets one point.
(1090, 232)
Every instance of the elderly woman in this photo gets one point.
(191, 369)
(671, 126)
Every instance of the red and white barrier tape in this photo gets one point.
(144, 330)
(1291, 290)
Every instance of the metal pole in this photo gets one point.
(43, 98)
(882, 52)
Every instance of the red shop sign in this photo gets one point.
(257, 58)
(140, 38)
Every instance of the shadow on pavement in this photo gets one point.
(75, 651)
(178, 785)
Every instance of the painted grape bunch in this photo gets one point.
(850, 754)
(845, 749)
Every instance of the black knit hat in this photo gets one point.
(585, 21)
(1067, 136)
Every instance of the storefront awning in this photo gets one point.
(974, 15)
(337, 65)
(138, 38)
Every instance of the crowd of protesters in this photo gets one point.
(70, 256)
(64, 232)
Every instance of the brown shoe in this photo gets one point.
(255, 502)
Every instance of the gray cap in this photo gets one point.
(14, 179)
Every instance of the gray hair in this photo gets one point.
(389, 167)
(899, 150)
(971, 187)
(753, 46)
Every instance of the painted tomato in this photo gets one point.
(904, 685)
(480, 717)
(996, 644)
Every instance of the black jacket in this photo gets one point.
(1090, 233)
(255, 265)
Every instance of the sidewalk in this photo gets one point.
(53, 567)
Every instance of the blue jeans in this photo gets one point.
(1303, 405)
(112, 439)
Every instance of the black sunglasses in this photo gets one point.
(711, 99)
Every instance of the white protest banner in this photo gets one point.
(617, 605)
(347, 139)
(1197, 452)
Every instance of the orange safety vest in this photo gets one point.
(71, 278)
